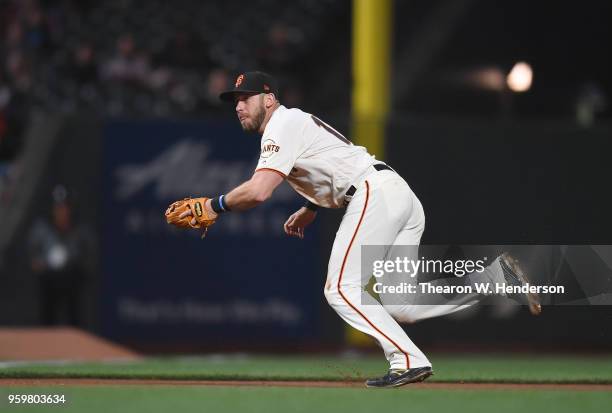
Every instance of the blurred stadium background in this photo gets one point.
(498, 114)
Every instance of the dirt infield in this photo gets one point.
(272, 383)
(59, 343)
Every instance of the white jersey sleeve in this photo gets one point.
(281, 145)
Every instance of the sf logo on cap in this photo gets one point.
(239, 80)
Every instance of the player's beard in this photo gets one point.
(257, 119)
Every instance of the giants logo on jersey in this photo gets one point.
(269, 148)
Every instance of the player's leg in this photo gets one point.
(380, 207)
(409, 308)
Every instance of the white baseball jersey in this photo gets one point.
(318, 162)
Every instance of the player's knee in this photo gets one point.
(420, 221)
(342, 294)
(401, 314)
(331, 294)
(406, 319)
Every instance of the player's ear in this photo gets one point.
(269, 100)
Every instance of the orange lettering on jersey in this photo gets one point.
(239, 80)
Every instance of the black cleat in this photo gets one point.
(396, 378)
(515, 276)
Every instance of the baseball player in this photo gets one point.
(330, 172)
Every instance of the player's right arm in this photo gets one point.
(298, 221)
(254, 191)
(245, 196)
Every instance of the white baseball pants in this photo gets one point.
(383, 211)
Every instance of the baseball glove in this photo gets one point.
(199, 217)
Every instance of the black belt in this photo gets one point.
(379, 167)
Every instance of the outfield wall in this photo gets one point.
(246, 286)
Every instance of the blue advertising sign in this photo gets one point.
(162, 284)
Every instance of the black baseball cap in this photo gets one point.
(251, 82)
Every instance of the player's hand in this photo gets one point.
(207, 206)
(297, 222)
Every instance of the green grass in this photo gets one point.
(448, 368)
(137, 399)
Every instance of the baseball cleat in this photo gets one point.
(515, 276)
(396, 378)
